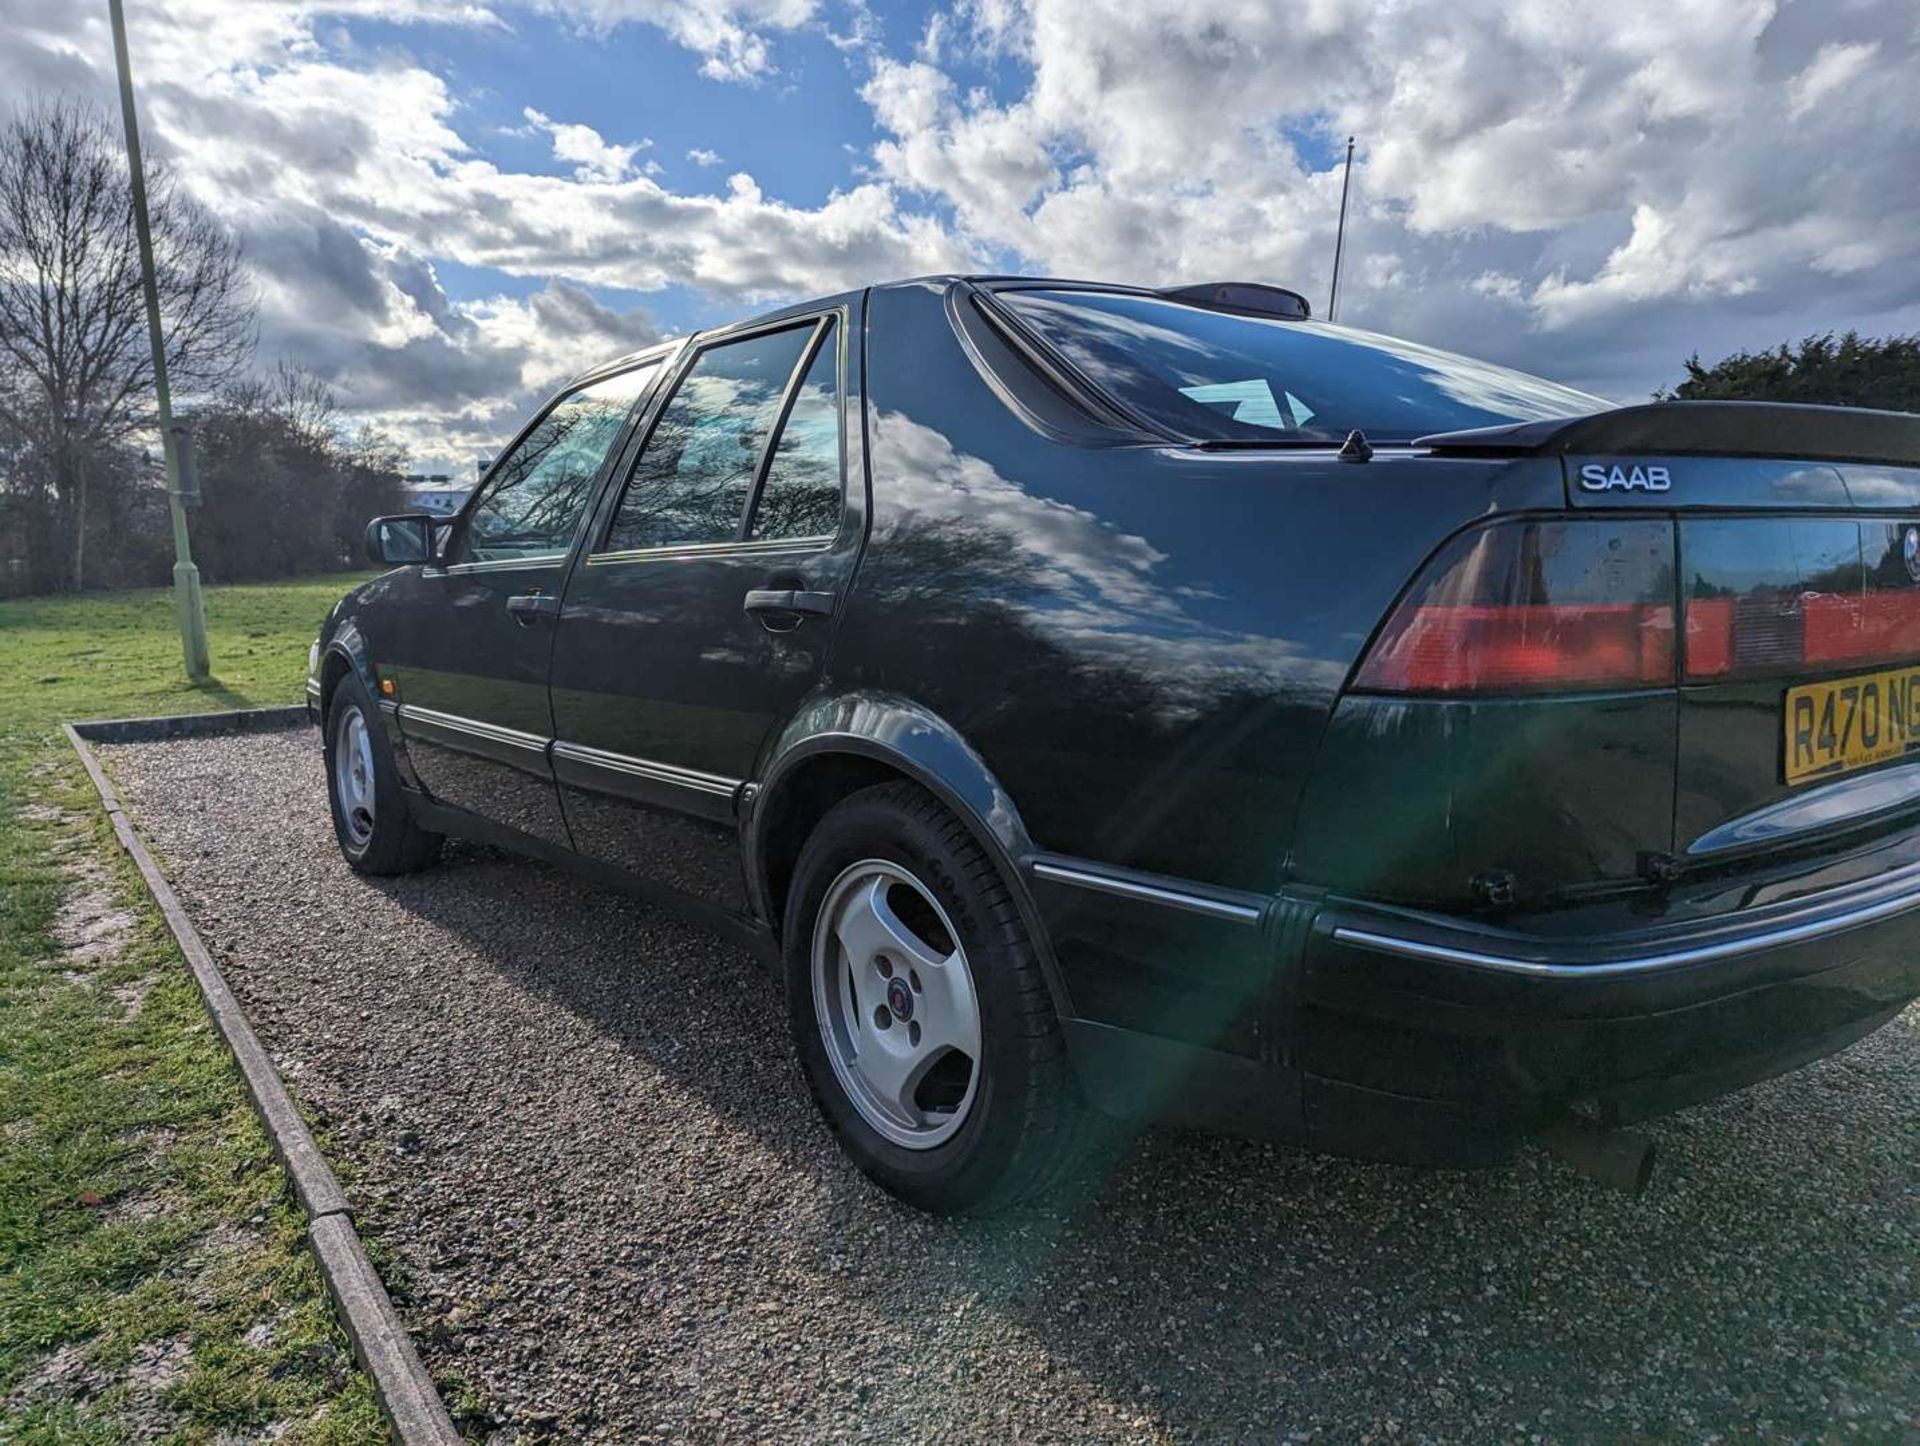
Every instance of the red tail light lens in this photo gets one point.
(1534, 607)
(1759, 636)
(1783, 596)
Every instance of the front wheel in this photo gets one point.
(920, 1013)
(371, 820)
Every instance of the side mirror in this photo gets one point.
(400, 540)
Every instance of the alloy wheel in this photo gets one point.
(896, 1004)
(353, 774)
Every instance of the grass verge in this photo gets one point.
(154, 1278)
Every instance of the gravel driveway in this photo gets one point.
(583, 1153)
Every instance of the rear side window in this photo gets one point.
(801, 494)
(532, 502)
(1212, 375)
(694, 478)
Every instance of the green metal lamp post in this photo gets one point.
(186, 577)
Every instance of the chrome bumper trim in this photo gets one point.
(1755, 943)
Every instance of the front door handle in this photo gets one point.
(528, 608)
(789, 602)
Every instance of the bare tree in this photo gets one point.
(305, 403)
(76, 373)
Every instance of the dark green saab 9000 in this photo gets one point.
(1108, 702)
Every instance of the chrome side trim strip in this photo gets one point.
(473, 728)
(313, 687)
(1148, 893)
(1642, 963)
(692, 778)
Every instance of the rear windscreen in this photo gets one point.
(1217, 375)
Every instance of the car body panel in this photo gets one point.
(470, 683)
(1412, 798)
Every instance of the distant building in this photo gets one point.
(434, 492)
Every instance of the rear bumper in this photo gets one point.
(1406, 1037)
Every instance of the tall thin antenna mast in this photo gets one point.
(1340, 236)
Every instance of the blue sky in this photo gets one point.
(800, 135)
(450, 205)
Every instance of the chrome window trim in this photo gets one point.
(821, 542)
(1147, 893)
(504, 564)
(690, 778)
(473, 728)
(1755, 943)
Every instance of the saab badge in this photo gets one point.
(1599, 477)
(1910, 551)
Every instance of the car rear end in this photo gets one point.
(1616, 806)
(1618, 810)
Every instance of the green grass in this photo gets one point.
(154, 1279)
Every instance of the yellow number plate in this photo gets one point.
(1850, 723)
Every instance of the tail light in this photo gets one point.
(1534, 607)
(1799, 632)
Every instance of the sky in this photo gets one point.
(449, 206)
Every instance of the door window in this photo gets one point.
(531, 504)
(695, 475)
(801, 494)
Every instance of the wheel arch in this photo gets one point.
(837, 746)
(345, 652)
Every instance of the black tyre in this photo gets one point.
(920, 1013)
(371, 820)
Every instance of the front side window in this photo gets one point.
(1215, 375)
(695, 475)
(533, 501)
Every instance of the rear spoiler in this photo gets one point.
(1723, 429)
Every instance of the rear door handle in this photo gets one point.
(528, 608)
(789, 602)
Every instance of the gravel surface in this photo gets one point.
(584, 1156)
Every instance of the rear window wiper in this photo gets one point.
(1354, 447)
(1229, 444)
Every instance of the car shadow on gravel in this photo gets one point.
(1215, 1288)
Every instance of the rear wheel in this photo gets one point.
(920, 1014)
(371, 820)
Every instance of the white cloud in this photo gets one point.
(1592, 193)
(1528, 169)
(1829, 73)
(729, 35)
(346, 173)
(593, 156)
